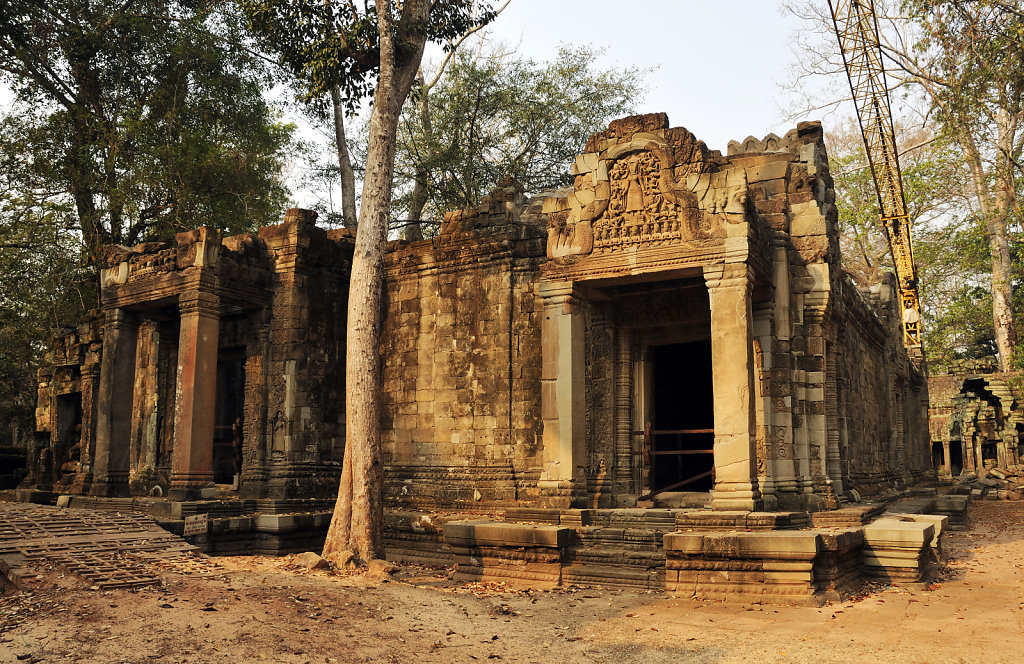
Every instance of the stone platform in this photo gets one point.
(770, 557)
(272, 527)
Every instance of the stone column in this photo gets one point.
(833, 456)
(87, 449)
(1002, 459)
(732, 359)
(254, 446)
(767, 443)
(114, 404)
(562, 387)
(192, 460)
(781, 392)
(623, 415)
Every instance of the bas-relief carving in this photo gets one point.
(631, 197)
(646, 309)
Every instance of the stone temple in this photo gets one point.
(674, 329)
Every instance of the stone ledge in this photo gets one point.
(774, 544)
(502, 534)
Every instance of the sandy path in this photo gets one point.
(258, 609)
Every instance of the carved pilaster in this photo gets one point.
(563, 397)
(833, 454)
(114, 404)
(623, 414)
(767, 448)
(192, 461)
(732, 358)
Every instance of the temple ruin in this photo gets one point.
(976, 418)
(676, 322)
(665, 354)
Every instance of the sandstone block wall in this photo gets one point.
(462, 360)
(277, 303)
(520, 345)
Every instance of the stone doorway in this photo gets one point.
(67, 450)
(228, 418)
(956, 457)
(681, 434)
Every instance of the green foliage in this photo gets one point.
(150, 120)
(129, 122)
(323, 44)
(496, 114)
(950, 245)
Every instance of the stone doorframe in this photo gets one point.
(730, 288)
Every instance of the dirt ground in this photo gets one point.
(264, 609)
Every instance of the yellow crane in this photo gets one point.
(856, 27)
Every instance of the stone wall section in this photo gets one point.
(462, 359)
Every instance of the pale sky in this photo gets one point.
(720, 64)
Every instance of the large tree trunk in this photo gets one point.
(418, 200)
(362, 498)
(348, 177)
(85, 205)
(999, 242)
(995, 208)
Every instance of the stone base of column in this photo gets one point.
(109, 487)
(563, 494)
(768, 496)
(789, 499)
(736, 496)
(190, 486)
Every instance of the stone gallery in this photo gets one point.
(677, 324)
(977, 419)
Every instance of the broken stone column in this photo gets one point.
(562, 388)
(732, 358)
(90, 387)
(192, 460)
(114, 404)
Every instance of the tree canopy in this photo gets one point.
(140, 118)
(129, 122)
(958, 68)
(494, 114)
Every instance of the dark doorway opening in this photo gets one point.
(227, 425)
(68, 444)
(937, 457)
(956, 457)
(988, 455)
(682, 432)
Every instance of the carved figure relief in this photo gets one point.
(630, 197)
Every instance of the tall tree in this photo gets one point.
(376, 47)
(949, 241)
(961, 63)
(326, 28)
(123, 108)
(970, 64)
(495, 114)
(129, 121)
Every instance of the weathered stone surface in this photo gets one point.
(524, 360)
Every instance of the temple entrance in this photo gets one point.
(956, 458)
(228, 417)
(681, 434)
(67, 449)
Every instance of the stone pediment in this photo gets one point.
(638, 184)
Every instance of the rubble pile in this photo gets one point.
(995, 483)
